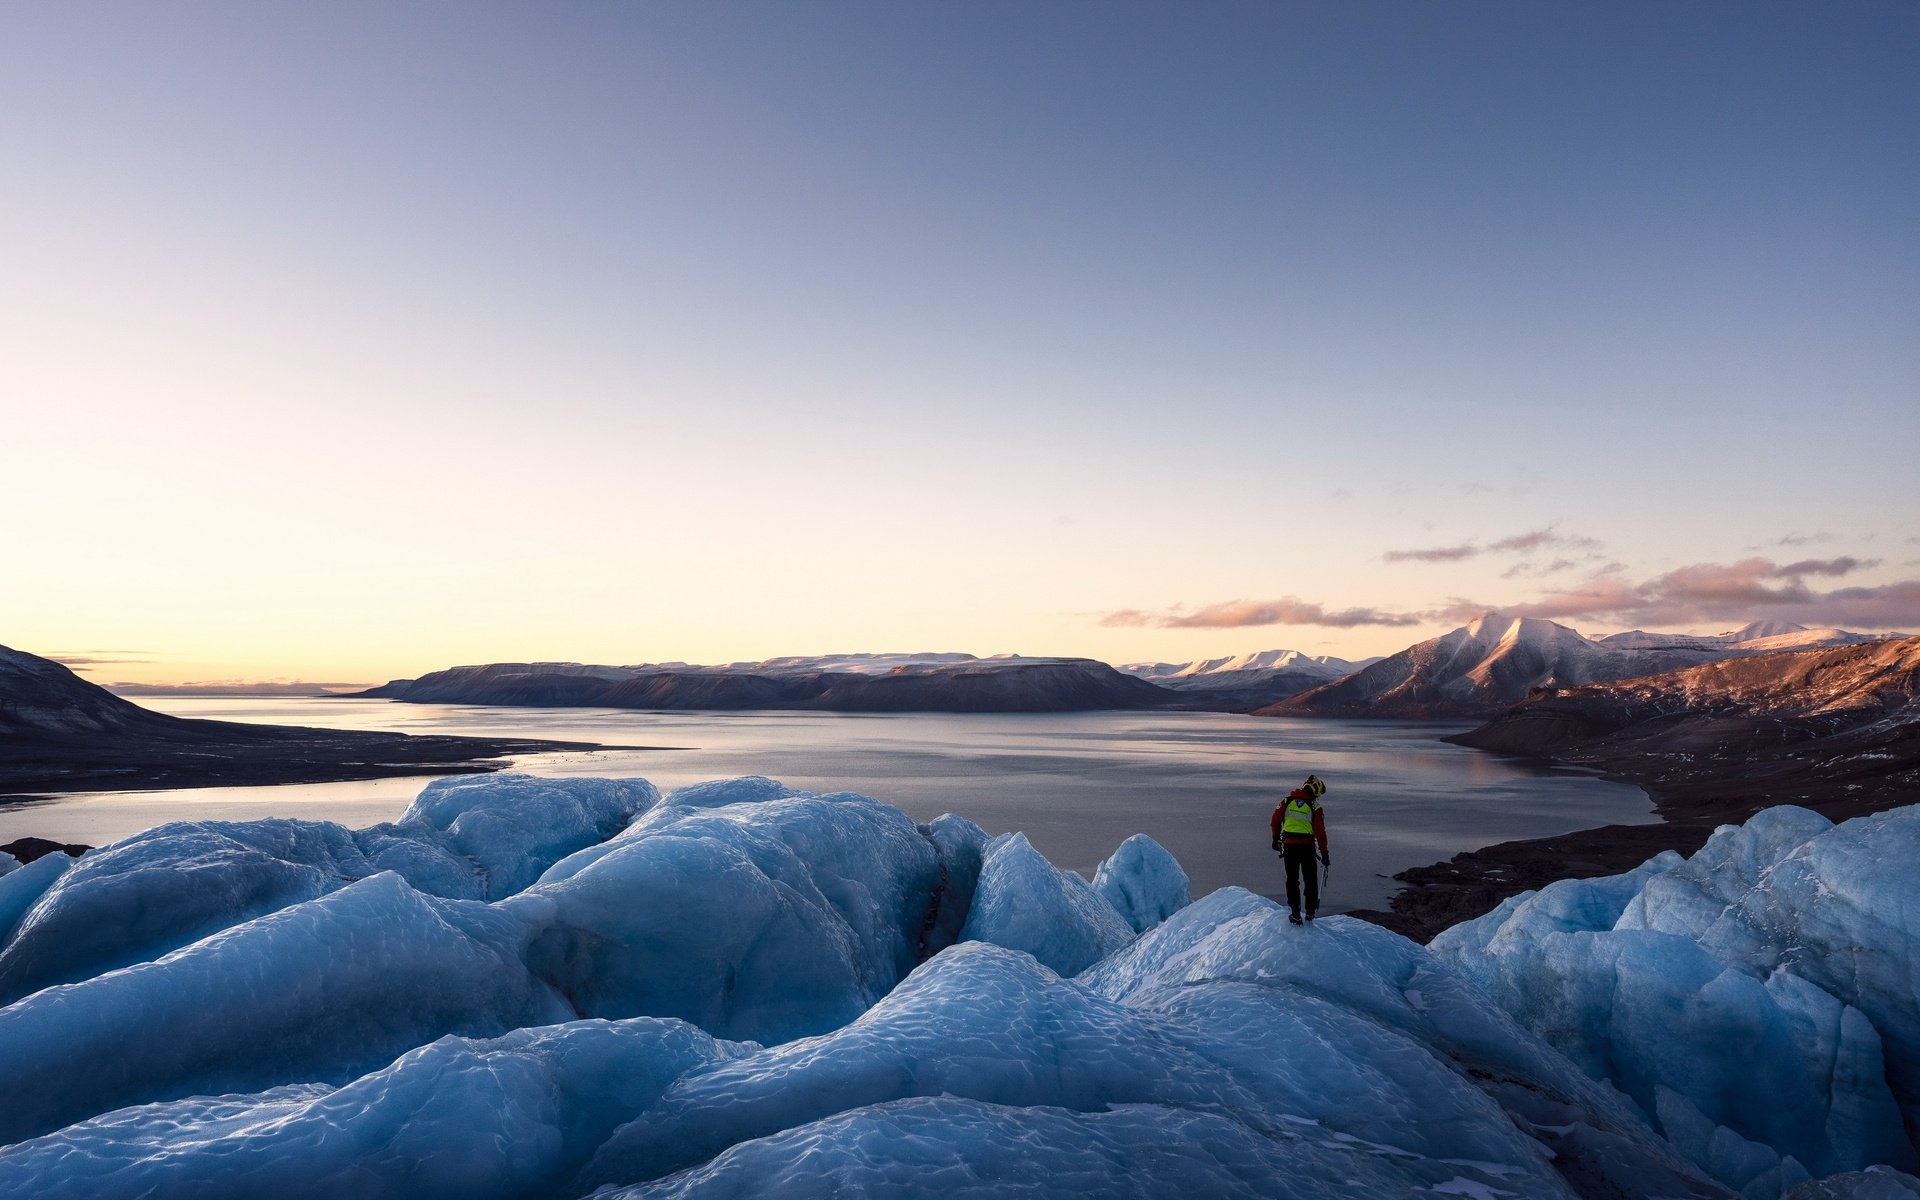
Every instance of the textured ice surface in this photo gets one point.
(1757, 1001)
(751, 910)
(457, 1118)
(1874, 1183)
(931, 1013)
(1143, 882)
(463, 838)
(1242, 1080)
(22, 888)
(324, 990)
(159, 890)
(1026, 902)
(8, 863)
(510, 828)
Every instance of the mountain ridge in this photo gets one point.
(59, 732)
(1834, 729)
(1495, 661)
(961, 684)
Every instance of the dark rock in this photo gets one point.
(59, 733)
(26, 849)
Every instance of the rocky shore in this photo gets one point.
(59, 733)
(1834, 730)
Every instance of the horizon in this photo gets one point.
(297, 688)
(356, 343)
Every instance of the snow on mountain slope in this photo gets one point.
(1807, 639)
(1325, 666)
(1482, 667)
(1242, 683)
(1834, 725)
(868, 664)
(1494, 661)
(1756, 637)
(1259, 660)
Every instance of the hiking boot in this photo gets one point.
(1294, 918)
(1312, 913)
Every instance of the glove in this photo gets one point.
(1324, 860)
(1276, 845)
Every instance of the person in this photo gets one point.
(1298, 826)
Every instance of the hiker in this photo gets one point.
(1298, 825)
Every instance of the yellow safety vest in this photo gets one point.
(1299, 818)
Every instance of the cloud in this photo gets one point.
(1436, 554)
(236, 687)
(83, 659)
(1519, 543)
(1539, 539)
(1751, 588)
(1802, 539)
(1736, 592)
(1843, 565)
(1244, 614)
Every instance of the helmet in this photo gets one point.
(1313, 787)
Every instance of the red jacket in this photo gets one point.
(1319, 822)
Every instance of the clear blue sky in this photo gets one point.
(352, 340)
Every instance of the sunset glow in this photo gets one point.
(339, 350)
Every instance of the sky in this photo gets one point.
(345, 342)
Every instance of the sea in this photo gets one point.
(1202, 784)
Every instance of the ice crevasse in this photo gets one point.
(534, 988)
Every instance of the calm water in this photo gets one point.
(1202, 784)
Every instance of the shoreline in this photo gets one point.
(258, 757)
(1474, 882)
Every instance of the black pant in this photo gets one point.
(1299, 857)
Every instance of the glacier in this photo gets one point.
(1786, 945)
(574, 987)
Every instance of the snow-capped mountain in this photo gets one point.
(1242, 683)
(1480, 668)
(1837, 722)
(1324, 665)
(1494, 661)
(1756, 637)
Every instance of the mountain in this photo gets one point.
(1324, 665)
(1480, 668)
(42, 700)
(1757, 637)
(880, 683)
(60, 733)
(1495, 661)
(1809, 726)
(1245, 682)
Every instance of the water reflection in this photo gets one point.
(1077, 783)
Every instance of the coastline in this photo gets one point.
(254, 756)
(1473, 883)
